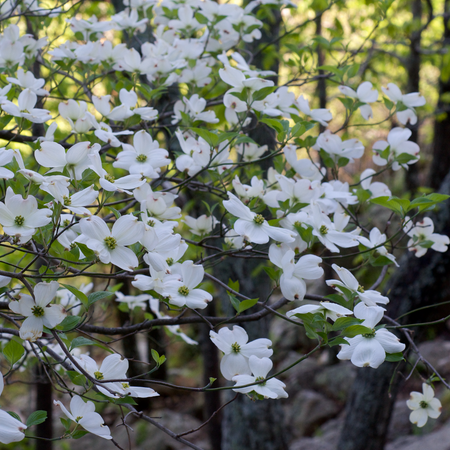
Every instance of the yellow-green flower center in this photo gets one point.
(370, 335)
(98, 375)
(110, 242)
(183, 290)
(109, 178)
(323, 229)
(259, 219)
(19, 220)
(141, 158)
(423, 404)
(169, 261)
(260, 379)
(151, 223)
(38, 311)
(360, 289)
(67, 201)
(236, 348)
(125, 385)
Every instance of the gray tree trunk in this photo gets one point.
(418, 282)
(247, 424)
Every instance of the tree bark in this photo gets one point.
(416, 283)
(247, 424)
(413, 69)
(441, 160)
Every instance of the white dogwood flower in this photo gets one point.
(37, 312)
(349, 287)
(292, 281)
(253, 227)
(26, 108)
(110, 246)
(260, 367)
(234, 343)
(409, 100)
(398, 144)
(364, 94)
(369, 350)
(20, 217)
(422, 237)
(83, 414)
(332, 311)
(423, 406)
(184, 291)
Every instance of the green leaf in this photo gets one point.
(96, 296)
(212, 380)
(155, 356)
(201, 18)
(342, 162)
(347, 102)
(87, 252)
(65, 423)
(13, 414)
(69, 323)
(263, 93)
(247, 304)
(273, 123)
(398, 205)
(123, 400)
(78, 294)
(388, 103)
(211, 138)
(337, 341)
(76, 378)
(273, 273)
(381, 261)
(36, 418)
(327, 160)
(353, 70)
(298, 129)
(234, 302)
(77, 434)
(405, 158)
(336, 298)
(394, 357)
(355, 330)
(345, 322)
(80, 341)
(233, 284)
(13, 351)
(114, 211)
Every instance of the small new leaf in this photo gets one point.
(36, 418)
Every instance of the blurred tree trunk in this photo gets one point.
(417, 282)
(441, 156)
(247, 424)
(413, 69)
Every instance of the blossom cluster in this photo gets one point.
(105, 149)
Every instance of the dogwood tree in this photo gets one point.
(116, 196)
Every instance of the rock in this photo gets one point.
(437, 440)
(399, 424)
(328, 436)
(300, 376)
(307, 411)
(152, 437)
(437, 352)
(312, 444)
(335, 381)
